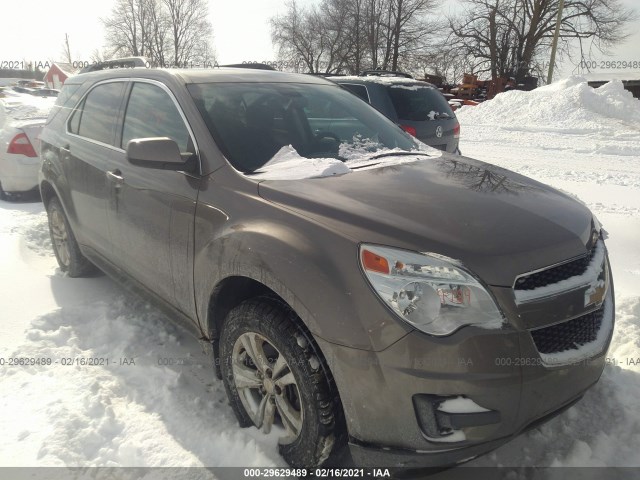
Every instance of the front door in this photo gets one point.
(151, 212)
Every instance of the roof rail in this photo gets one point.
(320, 74)
(128, 62)
(255, 65)
(384, 73)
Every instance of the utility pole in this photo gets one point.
(554, 46)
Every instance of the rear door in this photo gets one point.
(86, 156)
(151, 211)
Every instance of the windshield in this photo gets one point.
(418, 103)
(252, 122)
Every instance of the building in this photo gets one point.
(58, 73)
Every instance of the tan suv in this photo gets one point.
(365, 296)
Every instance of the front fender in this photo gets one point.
(314, 269)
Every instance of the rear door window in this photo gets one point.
(417, 103)
(96, 117)
(152, 113)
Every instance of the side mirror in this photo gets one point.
(161, 152)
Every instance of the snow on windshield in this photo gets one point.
(288, 164)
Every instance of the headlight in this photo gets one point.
(432, 293)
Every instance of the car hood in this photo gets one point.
(498, 223)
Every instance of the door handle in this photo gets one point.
(116, 177)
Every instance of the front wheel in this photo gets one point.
(276, 381)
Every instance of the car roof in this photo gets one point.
(212, 75)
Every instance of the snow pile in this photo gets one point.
(288, 164)
(34, 230)
(133, 410)
(570, 105)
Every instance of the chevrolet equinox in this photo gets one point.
(365, 296)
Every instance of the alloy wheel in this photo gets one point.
(267, 387)
(60, 236)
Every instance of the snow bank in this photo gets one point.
(569, 105)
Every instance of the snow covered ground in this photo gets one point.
(585, 142)
(582, 141)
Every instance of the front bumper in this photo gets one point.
(499, 370)
(368, 455)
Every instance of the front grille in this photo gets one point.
(555, 274)
(568, 335)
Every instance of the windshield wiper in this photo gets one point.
(364, 166)
(397, 154)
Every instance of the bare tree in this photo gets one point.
(511, 37)
(126, 34)
(158, 32)
(297, 37)
(189, 28)
(337, 36)
(409, 28)
(97, 56)
(173, 32)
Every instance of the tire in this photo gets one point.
(3, 194)
(70, 258)
(290, 371)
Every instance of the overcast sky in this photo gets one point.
(34, 31)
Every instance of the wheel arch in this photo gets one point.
(231, 291)
(234, 289)
(47, 192)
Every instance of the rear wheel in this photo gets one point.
(70, 258)
(276, 381)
